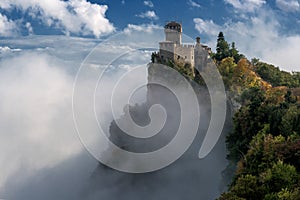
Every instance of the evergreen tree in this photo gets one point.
(223, 50)
(234, 53)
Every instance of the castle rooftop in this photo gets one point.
(174, 25)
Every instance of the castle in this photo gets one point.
(173, 49)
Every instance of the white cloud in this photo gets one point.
(246, 5)
(145, 36)
(288, 5)
(286, 54)
(5, 4)
(6, 49)
(7, 27)
(193, 4)
(206, 26)
(37, 130)
(258, 36)
(149, 4)
(72, 16)
(148, 28)
(29, 28)
(37, 127)
(149, 15)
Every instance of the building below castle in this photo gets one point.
(173, 49)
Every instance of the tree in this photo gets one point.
(290, 121)
(279, 177)
(234, 53)
(275, 76)
(226, 69)
(269, 170)
(222, 49)
(247, 186)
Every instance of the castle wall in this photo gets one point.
(197, 56)
(173, 49)
(201, 55)
(166, 50)
(186, 52)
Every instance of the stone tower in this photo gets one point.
(172, 49)
(173, 32)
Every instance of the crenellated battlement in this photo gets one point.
(173, 49)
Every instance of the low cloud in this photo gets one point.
(148, 14)
(37, 132)
(29, 28)
(41, 156)
(6, 49)
(37, 127)
(7, 27)
(72, 16)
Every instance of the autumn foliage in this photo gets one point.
(265, 141)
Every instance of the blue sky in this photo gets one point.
(268, 30)
(44, 42)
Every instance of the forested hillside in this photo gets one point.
(264, 144)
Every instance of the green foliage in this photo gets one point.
(155, 58)
(247, 187)
(275, 76)
(226, 69)
(265, 140)
(280, 176)
(286, 194)
(234, 53)
(224, 50)
(290, 122)
(183, 68)
(269, 170)
(256, 113)
(248, 121)
(285, 118)
(230, 196)
(240, 76)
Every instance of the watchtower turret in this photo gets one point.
(173, 32)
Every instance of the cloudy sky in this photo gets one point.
(44, 42)
(268, 30)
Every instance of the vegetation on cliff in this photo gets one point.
(265, 141)
(264, 145)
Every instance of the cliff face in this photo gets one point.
(187, 178)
